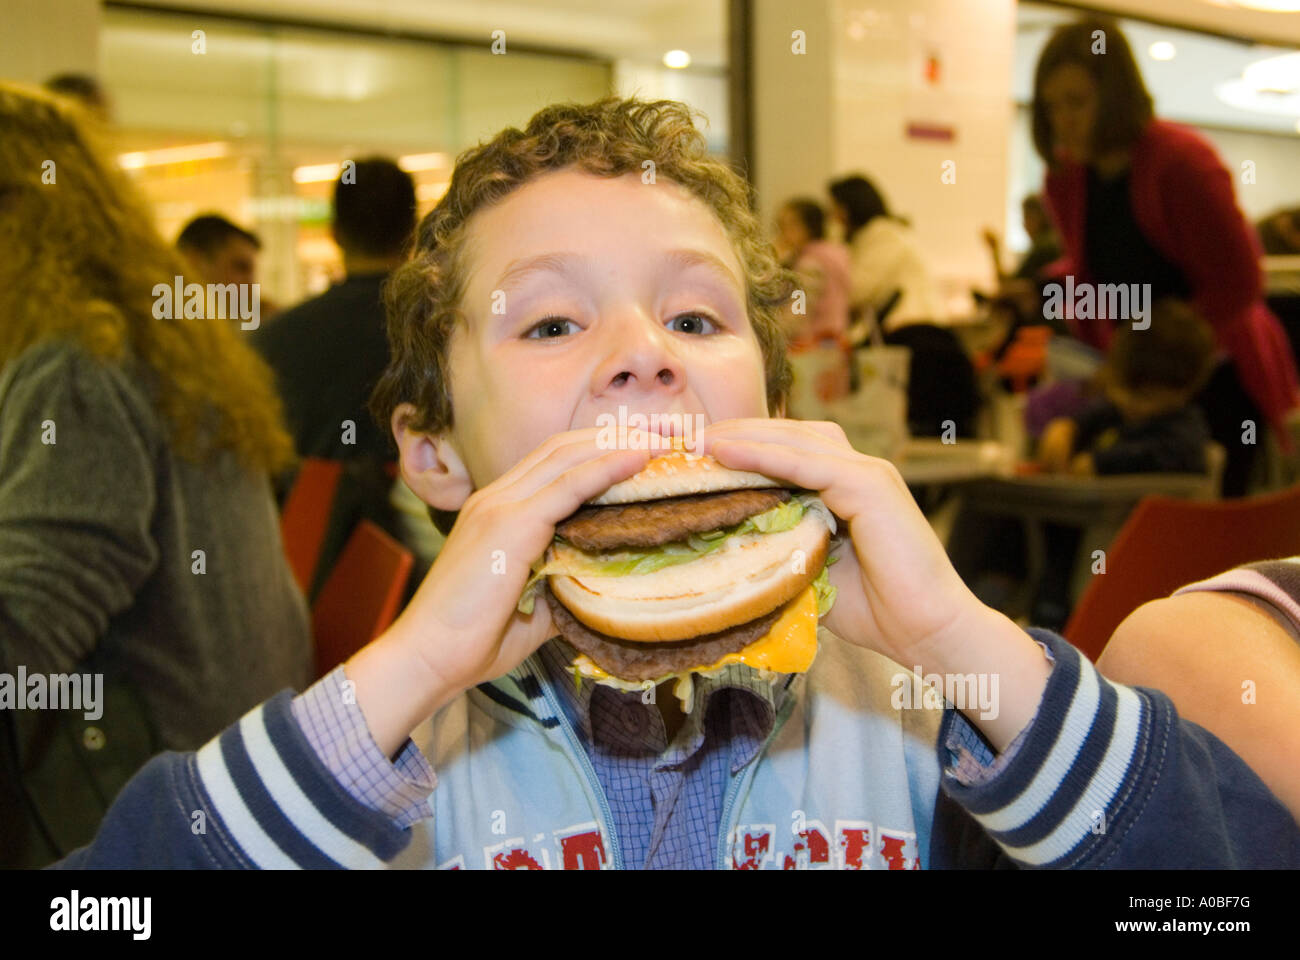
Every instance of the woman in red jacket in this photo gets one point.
(1139, 200)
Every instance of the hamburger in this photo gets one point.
(684, 568)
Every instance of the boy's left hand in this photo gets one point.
(897, 592)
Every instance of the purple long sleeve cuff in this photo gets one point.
(335, 727)
(975, 763)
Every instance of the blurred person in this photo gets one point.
(823, 269)
(328, 352)
(1138, 200)
(138, 537)
(218, 251)
(1147, 422)
(1044, 246)
(85, 90)
(886, 259)
(1279, 233)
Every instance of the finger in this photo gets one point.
(763, 427)
(565, 492)
(796, 434)
(562, 452)
(543, 450)
(820, 470)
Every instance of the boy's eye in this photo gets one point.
(550, 328)
(693, 323)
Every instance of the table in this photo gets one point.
(924, 461)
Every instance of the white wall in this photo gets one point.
(845, 106)
(1276, 169)
(40, 38)
(881, 87)
(792, 119)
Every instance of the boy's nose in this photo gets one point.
(639, 362)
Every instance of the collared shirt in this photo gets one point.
(666, 798)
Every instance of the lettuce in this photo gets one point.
(825, 592)
(633, 562)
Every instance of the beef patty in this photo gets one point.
(635, 660)
(656, 522)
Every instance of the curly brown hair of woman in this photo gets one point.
(79, 259)
(609, 138)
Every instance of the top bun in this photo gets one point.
(680, 473)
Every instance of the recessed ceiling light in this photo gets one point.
(1274, 74)
(1162, 50)
(677, 59)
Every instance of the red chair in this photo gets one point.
(360, 597)
(306, 515)
(1168, 543)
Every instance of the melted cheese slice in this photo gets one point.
(789, 647)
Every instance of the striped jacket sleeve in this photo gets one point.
(256, 796)
(1110, 776)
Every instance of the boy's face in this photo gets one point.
(646, 305)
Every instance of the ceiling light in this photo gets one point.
(1274, 75)
(316, 173)
(677, 59)
(413, 162)
(185, 154)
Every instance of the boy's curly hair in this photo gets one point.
(608, 138)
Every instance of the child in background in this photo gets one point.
(822, 324)
(1147, 423)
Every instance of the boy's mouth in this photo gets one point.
(674, 427)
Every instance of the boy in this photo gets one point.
(1148, 423)
(540, 296)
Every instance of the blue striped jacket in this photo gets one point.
(1107, 776)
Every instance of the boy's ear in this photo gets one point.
(430, 464)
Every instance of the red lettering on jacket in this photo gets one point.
(891, 849)
(516, 859)
(855, 847)
(756, 848)
(814, 841)
(583, 851)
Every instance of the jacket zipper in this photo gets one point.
(728, 828)
(607, 816)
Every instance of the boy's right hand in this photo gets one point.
(462, 627)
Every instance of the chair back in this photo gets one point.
(1168, 543)
(306, 515)
(360, 597)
